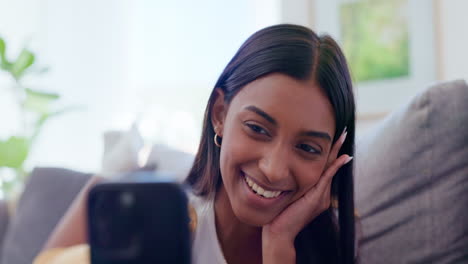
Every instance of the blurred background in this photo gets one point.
(105, 65)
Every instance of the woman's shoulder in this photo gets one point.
(205, 245)
(199, 203)
(199, 207)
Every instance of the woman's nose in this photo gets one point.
(275, 163)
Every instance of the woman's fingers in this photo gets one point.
(321, 191)
(309, 206)
(315, 200)
(336, 147)
(335, 166)
(334, 163)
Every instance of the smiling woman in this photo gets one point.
(277, 139)
(279, 115)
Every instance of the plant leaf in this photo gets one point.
(2, 48)
(14, 152)
(38, 101)
(24, 60)
(4, 64)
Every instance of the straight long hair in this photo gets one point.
(298, 52)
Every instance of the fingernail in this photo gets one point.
(345, 129)
(344, 137)
(348, 160)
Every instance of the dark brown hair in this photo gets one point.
(299, 53)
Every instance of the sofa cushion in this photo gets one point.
(412, 181)
(46, 197)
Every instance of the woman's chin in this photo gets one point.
(253, 218)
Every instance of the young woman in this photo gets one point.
(272, 181)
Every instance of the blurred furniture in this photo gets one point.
(412, 181)
(411, 188)
(46, 197)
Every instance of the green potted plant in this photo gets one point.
(35, 108)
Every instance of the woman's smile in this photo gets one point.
(260, 196)
(263, 192)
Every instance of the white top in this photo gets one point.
(205, 248)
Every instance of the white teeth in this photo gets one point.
(255, 187)
(249, 182)
(260, 191)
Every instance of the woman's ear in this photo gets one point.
(218, 112)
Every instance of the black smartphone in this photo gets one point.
(138, 222)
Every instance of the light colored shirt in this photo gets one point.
(205, 248)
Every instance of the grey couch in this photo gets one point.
(47, 195)
(411, 188)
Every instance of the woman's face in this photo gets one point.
(276, 137)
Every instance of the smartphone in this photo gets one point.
(138, 222)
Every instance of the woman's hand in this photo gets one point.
(278, 236)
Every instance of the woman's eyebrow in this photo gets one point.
(262, 113)
(317, 134)
(312, 133)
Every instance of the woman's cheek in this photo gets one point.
(241, 144)
(308, 177)
(236, 148)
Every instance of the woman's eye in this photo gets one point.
(308, 148)
(257, 129)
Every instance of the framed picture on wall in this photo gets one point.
(375, 38)
(389, 45)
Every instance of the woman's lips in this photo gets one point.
(261, 190)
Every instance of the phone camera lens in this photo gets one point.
(127, 199)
